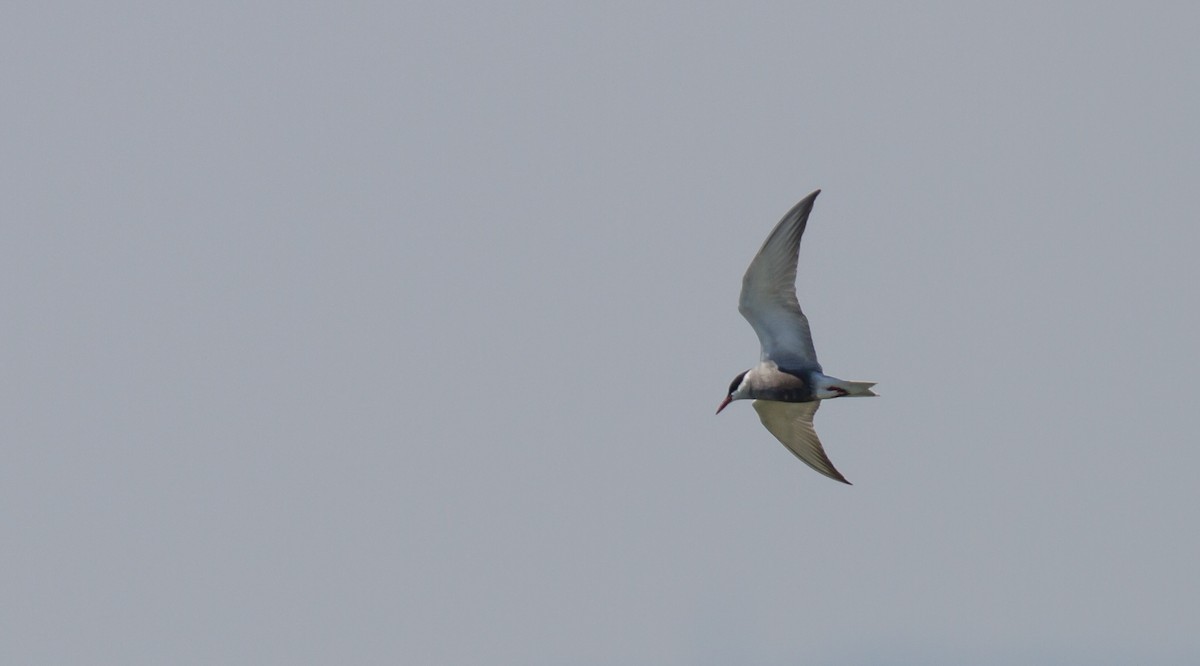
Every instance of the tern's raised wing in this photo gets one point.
(792, 424)
(768, 299)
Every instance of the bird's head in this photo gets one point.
(737, 390)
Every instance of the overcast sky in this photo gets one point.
(358, 334)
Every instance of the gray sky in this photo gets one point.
(343, 334)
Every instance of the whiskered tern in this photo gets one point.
(788, 384)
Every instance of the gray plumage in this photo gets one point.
(788, 383)
(768, 300)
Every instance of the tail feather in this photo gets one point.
(858, 389)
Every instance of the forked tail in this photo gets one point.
(858, 389)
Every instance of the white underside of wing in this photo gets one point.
(792, 424)
(768, 298)
(782, 331)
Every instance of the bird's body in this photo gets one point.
(788, 383)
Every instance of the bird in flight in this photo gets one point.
(788, 384)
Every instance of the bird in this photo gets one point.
(788, 384)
